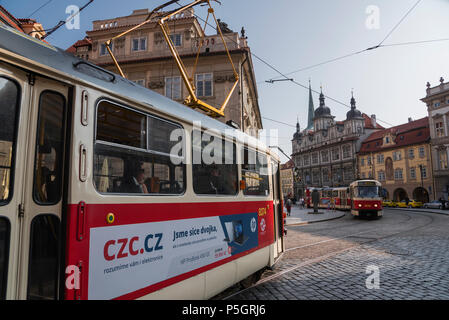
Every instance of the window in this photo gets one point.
(43, 265)
(315, 177)
(442, 159)
(362, 162)
(387, 140)
(325, 175)
(254, 173)
(335, 154)
(422, 152)
(176, 38)
(437, 104)
(346, 152)
(4, 255)
(411, 153)
(104, 51)
(337, 175)
(398, 174)
(204, 85)
(173, 88)
(325, 156)
(134, 153)
(214, 165)
(139, 44)
(48, 164)
(380, 158)
(413, 173)
(368, 160)
(306, 160)
(439, 129)
(9, 107)
(347, 174)
(381, 175)
(315, 158)
(397, 155)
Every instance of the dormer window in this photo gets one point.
(387, 139)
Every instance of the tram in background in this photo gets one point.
(362, 197)
(94, 202)
(366, 199)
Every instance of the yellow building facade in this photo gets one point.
(400, 159)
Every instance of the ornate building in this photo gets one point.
(146, 60)
(437, 101)
(287, 179)
(399, 158)
(326, 154)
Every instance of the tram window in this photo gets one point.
(9, 98)
(4, 246)
(49, 148)
(255, 173)
(121, 125)
(127, 168)
(43, 264)
(214, 165)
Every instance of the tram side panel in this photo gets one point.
(128, 247)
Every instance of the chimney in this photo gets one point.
(373, 120)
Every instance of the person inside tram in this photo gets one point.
(135, 183)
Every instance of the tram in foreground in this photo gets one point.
(362, 198)
(94, 202)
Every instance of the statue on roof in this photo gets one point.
(224, 27)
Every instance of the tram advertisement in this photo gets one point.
(127, 258)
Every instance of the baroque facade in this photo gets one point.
(437, 101)
(399, 158)
(325, 155)
(287, 179)
(146, 60)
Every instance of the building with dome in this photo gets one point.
(325, 152)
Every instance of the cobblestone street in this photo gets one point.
(329, 260)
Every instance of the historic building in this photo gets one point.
(437, 101)
(325, 153)
(146, 60)
(27, 26)
(400, 159)
(287, 179)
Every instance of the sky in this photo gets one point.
(290, 35)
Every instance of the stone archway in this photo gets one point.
(421, 194)
(399, 194)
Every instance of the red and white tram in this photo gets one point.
(366, 199)
(362, 197)
(94, 202)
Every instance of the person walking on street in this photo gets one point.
(288, 205)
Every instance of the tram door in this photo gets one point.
(33, 173)
(277, 204)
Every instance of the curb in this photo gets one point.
(315, 221)
(419, 210)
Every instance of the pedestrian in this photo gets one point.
(443, 203)
(333, 204)
(288, 205)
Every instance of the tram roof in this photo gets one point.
(63, 62)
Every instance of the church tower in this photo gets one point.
(311, 110)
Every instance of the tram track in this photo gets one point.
(365, 240)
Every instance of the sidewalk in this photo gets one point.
(301, 216)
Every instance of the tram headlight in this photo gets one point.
(375, 205)
(360, 205)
